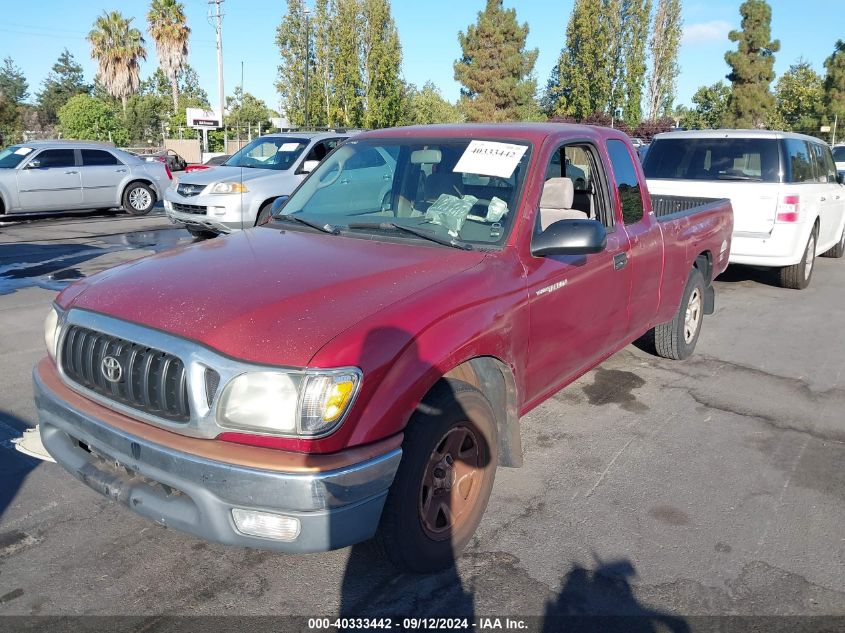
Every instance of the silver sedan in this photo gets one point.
(67, 175)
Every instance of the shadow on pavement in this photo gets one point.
(736, 273)
(14, 466)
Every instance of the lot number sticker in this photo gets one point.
(289, 147)
(23, 150)
(489, 158)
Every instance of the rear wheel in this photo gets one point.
(797, 276)
(444, 480)
(676, 339)
(200, 234)
(838, 250)
(138, 199)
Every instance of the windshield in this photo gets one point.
(452, 190)
(12, 156)
(269, 152)
(839, 154)
(754, 159)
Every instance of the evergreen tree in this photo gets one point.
(834, 83)
(64, 81)
(752, 67)
(13, 84)
(495, 69)
(634, 36)
(347, 78)
(663, 49)
(799, 98)
(291, 40)
(382, 60)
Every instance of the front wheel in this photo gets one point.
(440, 492)
(676, 339)
(797, 276)
(138, 199)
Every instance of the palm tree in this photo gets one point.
(117, 47)
(167, 23)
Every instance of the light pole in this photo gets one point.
(307, 60)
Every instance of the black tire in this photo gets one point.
(675, 339)
(451, 408)
(264, 213)
(138, 199)
(838, 250)
(798, 276)
(201, 234)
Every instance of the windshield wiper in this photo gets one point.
(325, 228)
(738, 177)
(388, 226)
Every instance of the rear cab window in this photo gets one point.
(727, 158)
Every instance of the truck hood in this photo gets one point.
(223, 173)
(265, 295)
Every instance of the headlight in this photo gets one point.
(51, 332)
(289, 404)
(228, 187)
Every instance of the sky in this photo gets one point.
(34, 33)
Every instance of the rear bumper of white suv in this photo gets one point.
(784, 246)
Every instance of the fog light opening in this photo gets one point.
(266, 524)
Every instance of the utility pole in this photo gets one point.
(307, 60)
(218, 27)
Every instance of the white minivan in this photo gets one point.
(788, 200)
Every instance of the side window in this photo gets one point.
(91, 157)
(798, 161)
(825, 167)
(322, 149)
(627, 182)
(369, 157)
(57, 158)
(570, 190)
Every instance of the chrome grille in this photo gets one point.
(187, 190)
(190, 208)
(140, 377)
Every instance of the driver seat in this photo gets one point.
(556, 202)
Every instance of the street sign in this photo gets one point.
(824, 128)
(200, 119)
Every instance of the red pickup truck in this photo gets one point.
(358, 365)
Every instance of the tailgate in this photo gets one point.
(754, 204)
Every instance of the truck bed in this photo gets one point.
(670, 207)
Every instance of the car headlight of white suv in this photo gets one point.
(228, 187)
(310, 404)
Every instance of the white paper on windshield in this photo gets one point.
(490, 158)
(289, 147)
(23, 151)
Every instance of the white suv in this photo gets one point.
(788, 200)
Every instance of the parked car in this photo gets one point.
(170, 158)
(211, 162)
(788, 201)
(68, 175)
(642, 150)
(238, 195)
(356, 368)
(637, 142)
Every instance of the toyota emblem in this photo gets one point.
(111, 369)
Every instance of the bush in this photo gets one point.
(90, 118)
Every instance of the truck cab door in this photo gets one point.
(578, 305)
(644, 254)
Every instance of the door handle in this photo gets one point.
(120, 171)
(386, 177)
(73, 171)
(620, 260)
(345, 181)
(823, 198)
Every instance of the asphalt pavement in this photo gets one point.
(650, 487)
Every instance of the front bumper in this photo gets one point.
(335, 508)
(221, 213)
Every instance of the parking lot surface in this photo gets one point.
(650, 487)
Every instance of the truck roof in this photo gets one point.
(532, 132)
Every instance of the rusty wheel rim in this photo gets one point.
(451, 484)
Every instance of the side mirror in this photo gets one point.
(308, 166)
(35, 163)
(840, 177)
(570, 237)
(277, 205)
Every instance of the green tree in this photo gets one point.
(296, 50)
(799, 98)
(663, 48)
(64, 81)
(710, 103)
(147, 117)
(426, 106)
(382, 60)
(246, 110)
(347, 83)
(495, 69)
(834, 83)
(13, 91)
(86, 117)
(191, 93)
(168, 26)
(636, 15)
(118, 48)
(751, 103)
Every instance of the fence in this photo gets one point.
(187, 148)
